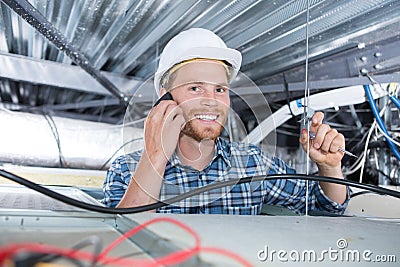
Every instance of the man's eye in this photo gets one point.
(221, 90)
(194, 89)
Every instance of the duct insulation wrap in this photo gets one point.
(28, 139)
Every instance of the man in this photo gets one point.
(183, 150)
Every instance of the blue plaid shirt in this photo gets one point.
(231, 161)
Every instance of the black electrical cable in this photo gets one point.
(88, 241)
(191, 193)
(361, 193)
(56, 135)
(34, 259)
(286, 85)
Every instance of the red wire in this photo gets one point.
(144, 225)
(228, 254)
(170, 259)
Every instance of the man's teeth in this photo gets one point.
(207, 117)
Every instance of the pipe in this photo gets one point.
(328, 99)
(29, 140)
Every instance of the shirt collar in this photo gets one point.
(222, 149)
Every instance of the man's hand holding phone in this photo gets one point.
(162, 129)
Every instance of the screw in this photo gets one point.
(361, 45)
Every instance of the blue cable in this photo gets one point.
(395, 101)
(379, 120)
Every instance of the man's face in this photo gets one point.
(201, 90)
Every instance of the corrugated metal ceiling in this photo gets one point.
(123, 39)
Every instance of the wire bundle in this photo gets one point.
(380, 121)
(9, 251)
(364, 161)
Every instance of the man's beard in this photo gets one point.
(207, 133)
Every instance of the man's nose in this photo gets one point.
(209, 98)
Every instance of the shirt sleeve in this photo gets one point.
(291, 193)
(117, 181)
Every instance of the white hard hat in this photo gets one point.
(195, 43)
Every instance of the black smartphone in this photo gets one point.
(166, 96)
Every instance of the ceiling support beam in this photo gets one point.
(36, 71)
(31, 15)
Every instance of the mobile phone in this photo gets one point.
(166, 96)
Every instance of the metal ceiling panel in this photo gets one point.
(122, 39)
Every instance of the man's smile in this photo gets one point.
(206, 117)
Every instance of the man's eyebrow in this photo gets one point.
(202, 83)
(199, 83)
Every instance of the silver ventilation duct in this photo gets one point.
(38, 140)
